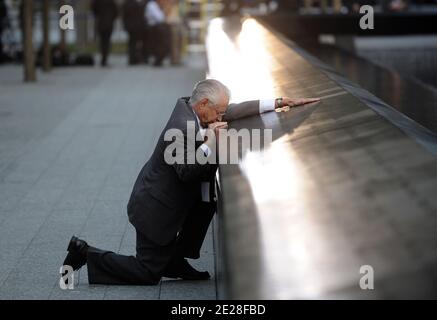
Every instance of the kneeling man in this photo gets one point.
(172, 204)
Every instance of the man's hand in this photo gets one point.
(213, 136)
(216, 126)
(294, 102)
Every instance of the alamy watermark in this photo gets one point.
(66, 282)
(182, 147)
(367, 21)
(368, 278)
(66, 22)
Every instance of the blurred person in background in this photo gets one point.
(159, 31)
(105, 13)
(288, 5)
(134, 24)
(353, 6)
(231, 7)
(145, 39)
(398, 5)
(3, 23)
(174, 20)
(393, 5)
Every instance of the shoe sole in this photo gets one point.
(187, 277)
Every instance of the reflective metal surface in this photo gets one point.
(414, 99)
(338, 188)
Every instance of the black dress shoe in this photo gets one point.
(77, 252)
(180, 268)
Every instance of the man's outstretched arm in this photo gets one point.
(250, 108)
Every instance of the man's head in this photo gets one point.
(210, 99)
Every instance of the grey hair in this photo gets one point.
(210, 89)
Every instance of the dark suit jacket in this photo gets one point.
(105, 12)
(133, 16)
(163, 194)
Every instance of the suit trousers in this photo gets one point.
(105, 45)
(147, 267)
(135, 42)
(160, 38)
(191, 237)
